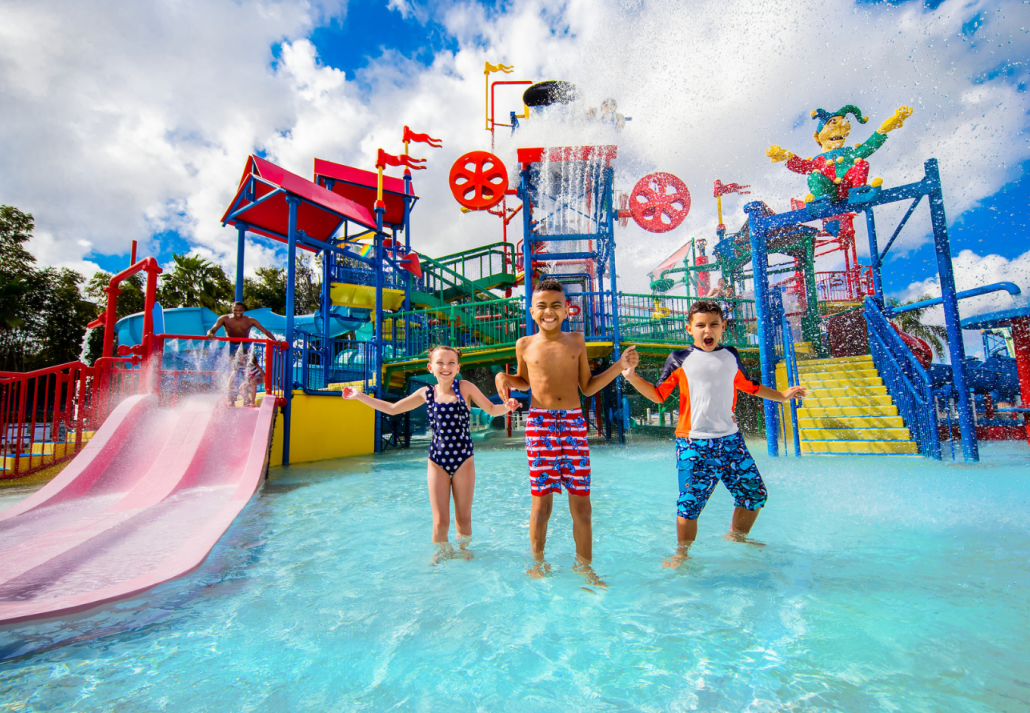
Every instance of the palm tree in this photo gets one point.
(912, 323)
(195, 282)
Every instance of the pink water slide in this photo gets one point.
(144, 502)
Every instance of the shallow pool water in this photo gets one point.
(884, 584)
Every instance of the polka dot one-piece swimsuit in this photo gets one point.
(452, 444)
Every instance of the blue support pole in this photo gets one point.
(766, 328)
(241, 242)
(380, 391)
(291, 281)
(327, 350)
(956, 349)
(874, 252)
(408, 203)
(380, 260)
(527, 245)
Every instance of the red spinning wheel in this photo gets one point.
(659, 202)
(478, 180)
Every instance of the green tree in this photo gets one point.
(63, 314)
(266, 289)
(193, 281)
(15, 230)
(12, 292)
(130, 301)
(912, 323)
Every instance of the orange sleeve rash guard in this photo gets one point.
(708, 384)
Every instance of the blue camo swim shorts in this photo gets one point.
(703, 462)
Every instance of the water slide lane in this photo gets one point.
(144, 502)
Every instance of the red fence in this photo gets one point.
(844, 285)
(48, 415)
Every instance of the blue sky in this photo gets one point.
(137, 127)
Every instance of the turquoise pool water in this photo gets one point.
(885, 584)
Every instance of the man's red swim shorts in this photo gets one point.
(556, 445)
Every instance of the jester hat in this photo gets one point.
(823, 116)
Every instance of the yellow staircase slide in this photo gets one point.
(848, 409)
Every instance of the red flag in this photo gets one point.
(410, 135)
(386, 159)
(722, 189)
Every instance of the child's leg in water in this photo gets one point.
(463, 484)
(539, 515)
(440, 501)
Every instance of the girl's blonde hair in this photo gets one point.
(432, 351)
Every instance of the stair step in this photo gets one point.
(859, 447)
(855, 434)
(881, 411)
(841, 382)
(843, 373)
(849, 422)
(837, 363)
(825, 400)
(850, 392)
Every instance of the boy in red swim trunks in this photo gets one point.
(554, 365)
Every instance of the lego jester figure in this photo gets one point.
(839, 169)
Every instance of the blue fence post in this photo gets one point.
(241, 242)
(956, 349)
(766, 328)
(291, 282)
(874, 253)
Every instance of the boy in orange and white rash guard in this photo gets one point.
(709, 447)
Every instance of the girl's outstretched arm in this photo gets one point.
(404, 405)
(471, 392)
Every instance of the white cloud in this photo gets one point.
(971, 271)
(126, 119)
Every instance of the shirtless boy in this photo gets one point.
(554, 365)
(709, 447)
(238, 325)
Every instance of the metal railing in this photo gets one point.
(844, 285)
(367, 277)
(784, 341)
(486, 261)
(906, 380)
(191, 364)
(325, 364)
(662, 319)
(477, 325)
(46, 417)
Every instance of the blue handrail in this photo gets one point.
(906, 380)
(793, 375)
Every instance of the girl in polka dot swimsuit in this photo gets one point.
(452, 470)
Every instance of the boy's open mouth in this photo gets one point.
(709, 341)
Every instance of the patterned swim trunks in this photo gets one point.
(703, 462)
(556, 445)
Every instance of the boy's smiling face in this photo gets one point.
(548, 310)
(706, 329)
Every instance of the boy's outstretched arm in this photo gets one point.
(646, 388)
(472, 393)
(591, 384)
(218, 325)
(764, 392)
(519, 380)
(403, 406)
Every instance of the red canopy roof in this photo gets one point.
(359, 186)
(319, 214)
